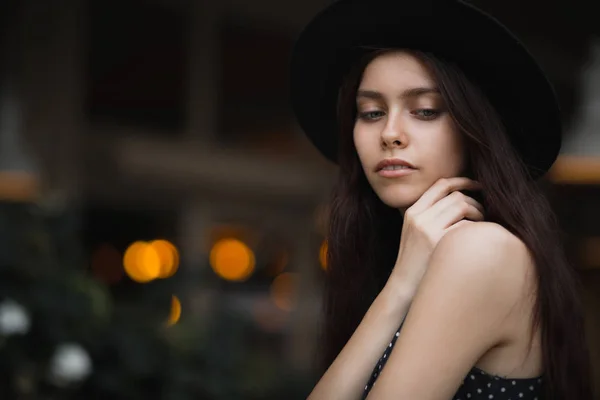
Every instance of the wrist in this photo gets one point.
(396, 297)
(404, 280)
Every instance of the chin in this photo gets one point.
(398, 197)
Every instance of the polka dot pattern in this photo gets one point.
(477, 384)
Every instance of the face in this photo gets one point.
(402, 120)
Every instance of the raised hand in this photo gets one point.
(440, 209)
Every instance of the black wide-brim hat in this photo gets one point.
(486, 51)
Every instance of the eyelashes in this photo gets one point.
(425, 114)
(370, 115)
(428, 113)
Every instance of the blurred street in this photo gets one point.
(162, 215)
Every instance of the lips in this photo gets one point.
(394, 167)
(393, 164)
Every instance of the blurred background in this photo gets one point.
(161, 214)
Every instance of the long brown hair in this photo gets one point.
(364, 234)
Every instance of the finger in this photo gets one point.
(441, 189)
(460, 223)
(454, 199)
(453, 214)
(475, 204)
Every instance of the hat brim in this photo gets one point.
(490, 55)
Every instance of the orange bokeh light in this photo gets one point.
(175, 311)
(232, 259)
(323, 255)
(169, 257)
(141, 262)
(146, 261)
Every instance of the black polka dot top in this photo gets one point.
(477, 384)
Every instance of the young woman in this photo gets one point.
(444, 264)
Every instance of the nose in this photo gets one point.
(393, 134)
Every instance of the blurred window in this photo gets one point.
(137, 64)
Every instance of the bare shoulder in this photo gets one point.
(484, 239)
(486, 254)
(486, 243)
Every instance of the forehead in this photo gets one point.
(395, 70)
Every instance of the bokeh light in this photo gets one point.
(232, 259)
(142, 262)
(283, 290)
(323, 255)
(175, 313)
(146, 261)
(169, 257)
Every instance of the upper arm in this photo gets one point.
(474, 280)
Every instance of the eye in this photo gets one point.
(371, 115)
(426, 113)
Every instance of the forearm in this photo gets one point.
(346, 377)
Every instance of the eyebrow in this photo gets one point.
(408, 93)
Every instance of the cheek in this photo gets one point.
(448, 156)
(363, 146)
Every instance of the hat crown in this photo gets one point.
(488, 53)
